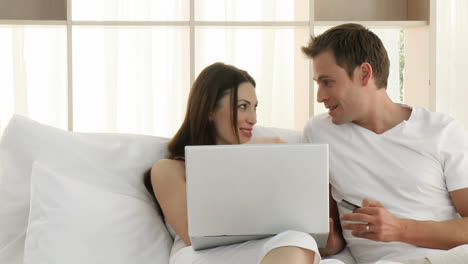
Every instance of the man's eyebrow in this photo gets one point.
(321, 77)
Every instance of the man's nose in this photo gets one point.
(321, 95)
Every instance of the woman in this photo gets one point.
(221, 110)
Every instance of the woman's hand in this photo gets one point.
(272, 140)
(335, 242)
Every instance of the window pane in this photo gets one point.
(130, 10)
(391, 39)
(129, 79)
(33, 74)
(273, 59)
(252, 10)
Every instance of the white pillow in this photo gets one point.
(120, 160)
(76, 222)
(288, 135)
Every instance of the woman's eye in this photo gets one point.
(243, 106)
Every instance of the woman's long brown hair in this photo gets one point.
(212, 84)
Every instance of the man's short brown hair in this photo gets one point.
(352, 45)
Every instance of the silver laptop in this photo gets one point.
(237, 193)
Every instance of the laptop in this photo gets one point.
(237, 193)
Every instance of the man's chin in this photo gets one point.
(337, 121)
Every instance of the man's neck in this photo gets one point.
(381, 114)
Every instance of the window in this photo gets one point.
(33, 73)
(132, 62)
(130, 79)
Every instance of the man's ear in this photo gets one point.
(366, 73)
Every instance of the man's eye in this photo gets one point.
(327, 83)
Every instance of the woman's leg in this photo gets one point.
(289, 254)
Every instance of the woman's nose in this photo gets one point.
(252, 119)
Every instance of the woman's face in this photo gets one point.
(246, 116)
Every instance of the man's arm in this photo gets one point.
(384, 226)
(444, 235)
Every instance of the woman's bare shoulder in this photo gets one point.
(167, 168)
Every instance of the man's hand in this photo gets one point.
(381, 224)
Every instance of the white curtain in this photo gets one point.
(137, 79)
(271, 55)
(252, 10)
(33, 74)
(129, 79)
(452, 58)
(130, 10)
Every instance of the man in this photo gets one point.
(407, 167)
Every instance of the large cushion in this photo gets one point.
(288, 135)
(73, 221)
(114, 163)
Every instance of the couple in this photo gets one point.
(406, 167)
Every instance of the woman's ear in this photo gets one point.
(366, 73)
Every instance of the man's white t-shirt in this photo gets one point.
(410, 169)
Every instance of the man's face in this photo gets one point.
(340, 94)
